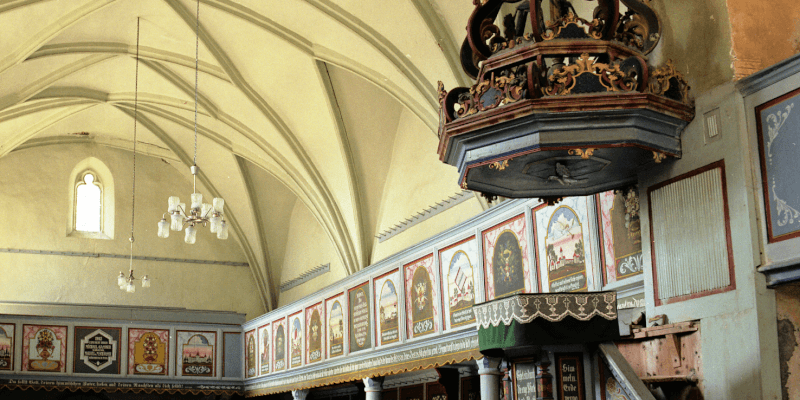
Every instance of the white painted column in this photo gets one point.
(299, 394)
(373, 388)
(490, 377)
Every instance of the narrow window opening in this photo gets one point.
(89, 206)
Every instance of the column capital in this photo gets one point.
(488, 366)
(299, 394)
(374, 384)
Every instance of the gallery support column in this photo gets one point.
(490, 378)
(373, 388)
(299, 394)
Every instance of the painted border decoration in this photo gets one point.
(264, 344)
(279, 345)
(421, 303)
(315, 333)
(44, 348)
(621, 234)
(459, 275)
(778, 126)
(335, 325)
(96, 350)
(196, 353)
(250, 348)
(7, 347)
(505, 258)
(148, 351)
(387, 304)
(562, 235)
(358, 307)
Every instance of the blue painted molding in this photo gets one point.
(781, 272)
(769, 76)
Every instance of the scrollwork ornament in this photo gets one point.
(562, 81)
(669, 82)
(785, 213)
(658, 156)
(499, 165)
(585, 154)
(774, 124)
(497, 90)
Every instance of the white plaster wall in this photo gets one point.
(34, 206)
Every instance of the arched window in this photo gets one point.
(88, 204)
(91, 201)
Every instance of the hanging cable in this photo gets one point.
(135, 120)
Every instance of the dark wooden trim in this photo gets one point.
(76, 350)
(771, 238)
(599, 215)
(728, 241)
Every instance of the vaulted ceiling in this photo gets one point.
(300, 101)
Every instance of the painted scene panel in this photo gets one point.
(314, 333)
(7, 347)
(334, 312)
(196, 353)
(296, 342)
(149, 350)
(96, 350)
(44, 348)
(263, 350)
(358, 304)
(562, 234)
(506, 263)
(387, 301)
(459, 276)
(250, 353)
(279, 344)
(621, 234)
(420, 290)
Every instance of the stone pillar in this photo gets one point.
(373, 388)
(299, 394)
(490, 378)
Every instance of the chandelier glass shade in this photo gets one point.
(199, 213)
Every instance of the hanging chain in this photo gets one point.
(135, 118)
(196, 64)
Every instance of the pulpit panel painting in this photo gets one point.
(335, 323)
(296, 339)
(196, 353)
(505, 258)
(250, 351)
(264, 345)
(459, 275)
(358, 306)
(562, 241)
(44, 348)
(96, 350)
(387, 300)
(315, 333)
(7, 347)
(621, 234)
(279, 345)
(148, 351)
(422, 314)
(778, 126)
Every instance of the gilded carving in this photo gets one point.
(560, 26)
(668, 81)
(499, 165)
(509, 86)
(610, 76)
(585, 154)
(658, 156)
